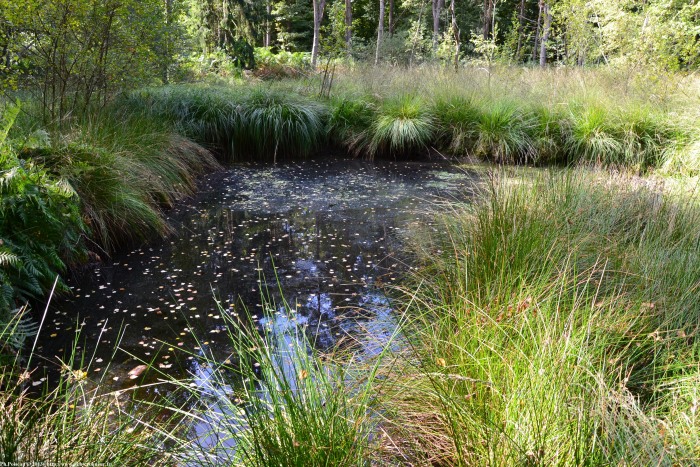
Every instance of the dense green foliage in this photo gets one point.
(554, 321)
(72, 55)
(40, 230)
(93, 186)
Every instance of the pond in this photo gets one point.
(327, 232)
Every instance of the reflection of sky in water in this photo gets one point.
(325, 232)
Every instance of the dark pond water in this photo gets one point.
(329, 231)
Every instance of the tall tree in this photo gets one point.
(80, 51)
(437, 10)
(392, 19)
(319, 8)
(455, 32)
(489, 6)
(380, 31)
(545, 32)
(538, 31)
(268, 24)
(521, 29)
(294, 25)
(348, 26)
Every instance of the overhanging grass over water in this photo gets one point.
(556, 323)
(292, 407)
(240, 123)
(575, 117)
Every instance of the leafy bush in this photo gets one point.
(281, 64)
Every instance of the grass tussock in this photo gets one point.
(124, 168)
(512, 115)
(239, 123)
(507, 116)
(555, 324)
(402, 126)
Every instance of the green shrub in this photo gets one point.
(282, 64)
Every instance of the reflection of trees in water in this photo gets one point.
(325, 231)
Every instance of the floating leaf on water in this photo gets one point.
(136, 371)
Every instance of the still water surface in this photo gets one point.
(327, 232)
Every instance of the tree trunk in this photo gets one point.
(268, 25)
(392, 24)
(166, 53)
(437, 9)
(455, 31)
(538, 31)
(488, 18)
(521, 29)
(545, 35)
(319, 7)
(380, 31)
(416, 35)
(348, 26)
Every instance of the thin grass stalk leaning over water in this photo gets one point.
(273, 401)
(71, 422)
